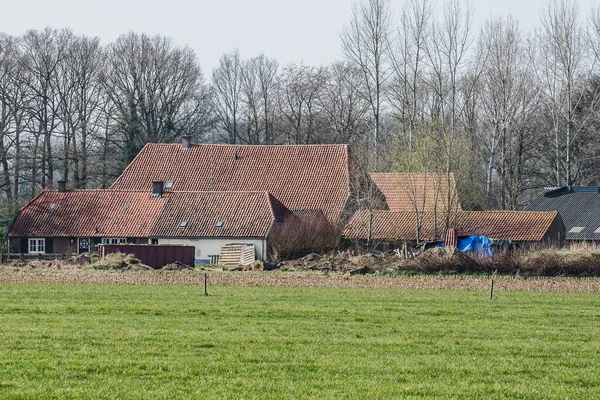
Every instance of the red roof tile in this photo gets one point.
(114, 213)
(509, 225)
(242, 214)
(301, 177)
(425, 191)
(88, 213)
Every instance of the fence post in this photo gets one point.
(205, 284)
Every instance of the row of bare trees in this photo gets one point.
(506, 111)
(71, 108)
(420, 89)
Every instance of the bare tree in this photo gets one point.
(157, 88)
(408, 89)
(227, 88)
(366, 43)
(564, 63)
(42, 53)
(507, 105)
(342, 104)
(259, 98)
(299, 103)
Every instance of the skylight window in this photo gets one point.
(576, 229)
(219, 224)
(183, 224)
(597, 230)
(169, 185)
(52, 207)
(127, 207)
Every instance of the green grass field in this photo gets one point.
(166, 342)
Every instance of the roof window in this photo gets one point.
(576, 229)
(52, 207)
(183, 224)
(127, 207)
(169, 185)
(597, 230)
(219, 224)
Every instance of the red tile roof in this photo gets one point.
(243, 214)
(425, 191)
(301, 177)
(114, 213)
(88, 213)
(526, 226)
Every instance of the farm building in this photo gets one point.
(579, 207)
(302, 177)
(401, 226)
(207, 196)
(58, 222)
(421, 192)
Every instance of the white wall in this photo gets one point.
(208, 247)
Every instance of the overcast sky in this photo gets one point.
(287, 30)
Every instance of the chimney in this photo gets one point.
(62, 186)
(157, 188)
(186, 141)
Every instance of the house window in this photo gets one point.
(37, 245)
(154, 241)
(114, 240)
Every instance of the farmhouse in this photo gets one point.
(302, 177)
(58, 222)
(579, 207)
(401, 226)
(208, 196)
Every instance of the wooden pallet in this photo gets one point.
(234, 255)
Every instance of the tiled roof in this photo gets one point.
(509, 225)
(426, 191)
(301, 177)
(578, 206)
(519, 226)
(241, 214)
(114, 213)
(88, 213)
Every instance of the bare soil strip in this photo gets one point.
(502, 283)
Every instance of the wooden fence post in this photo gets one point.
(205, 285)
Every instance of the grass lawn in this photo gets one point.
(166, 342)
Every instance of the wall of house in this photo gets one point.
(60, 245)
(64, 245)
(212, 246)
(556, 233)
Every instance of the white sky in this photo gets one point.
(287, 30)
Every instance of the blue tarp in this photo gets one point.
(477, 244)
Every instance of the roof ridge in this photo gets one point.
(247, 145)
(219, 191)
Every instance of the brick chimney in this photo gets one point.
(62, 186)
(157, 188)
(186, 141)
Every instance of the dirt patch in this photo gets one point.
(297, 279)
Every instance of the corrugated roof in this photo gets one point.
(427, 192)
(300, 176)
(578, 206)
(88, 213)
(114, 213)
(509, 225)
(241, 214)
